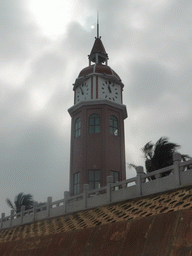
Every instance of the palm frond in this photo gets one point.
(10, 204)
(148, 150)
(131, 166)
(21, 199)
(163, 153)
(18, 201)
(27, 200)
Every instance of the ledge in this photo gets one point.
(98, 102)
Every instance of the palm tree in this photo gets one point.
(159, 155)
(21, 199)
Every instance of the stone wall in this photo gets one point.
(168, 234)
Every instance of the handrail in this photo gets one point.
(120, 183)
(160, 171)
(97, 190)
(186, 163)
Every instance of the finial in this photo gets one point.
(97, 24)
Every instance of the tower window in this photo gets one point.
(94, 123)
(94, 179)
(77, 127)
(76, 183)
(115, 175)
(113, 125)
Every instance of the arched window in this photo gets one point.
(94, 123)
(113, 125)
(77, 127)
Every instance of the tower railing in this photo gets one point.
(171, 177)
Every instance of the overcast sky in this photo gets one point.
(44, 45)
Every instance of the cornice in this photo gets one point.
(76, 107)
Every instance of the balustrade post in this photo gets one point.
(49, 201)
(109, 182)
(2, 218)
(11, 220)
(22, 213)
(176, 165)
(66, 195)
(85, 194)
(35, 204)
(140, 172)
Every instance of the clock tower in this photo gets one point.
(97, 126)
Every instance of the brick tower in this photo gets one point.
(97, 126)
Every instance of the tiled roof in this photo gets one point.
(100, 69)
(98, 47)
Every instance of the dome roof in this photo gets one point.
(98, 69)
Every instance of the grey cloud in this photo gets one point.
(13, 103)
(31, 152)
(60, 100)
(15, 30)
(20, 36)
(50, 64)
(75, 38)
(149, 81)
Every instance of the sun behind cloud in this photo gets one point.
(51, 16)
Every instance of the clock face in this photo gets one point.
(83, 92)
(110, 91)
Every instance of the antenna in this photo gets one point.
(97, 24)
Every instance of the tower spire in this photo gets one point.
(97, 24)
(98, 53)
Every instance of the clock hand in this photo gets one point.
(81, 90)
(109, 88)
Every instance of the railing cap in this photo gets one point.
(176, 157)
(139, 169)
(109, 179)
(22, 208)
(49, 199)
(66, 194)
(35, 204)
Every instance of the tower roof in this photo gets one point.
(98, 47)
(98, 50)
(98, 63)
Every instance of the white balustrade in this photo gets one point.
(171, 177)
